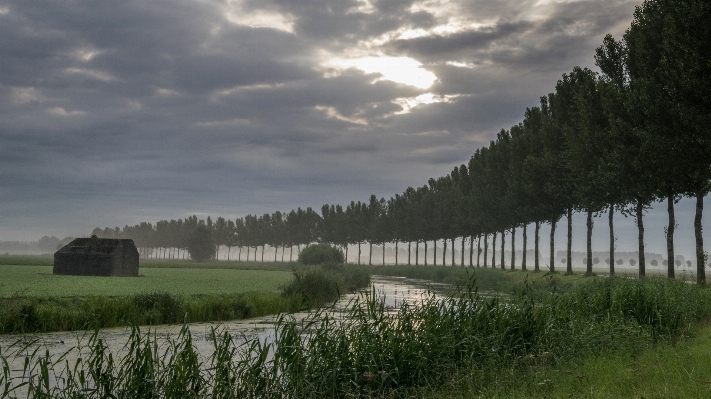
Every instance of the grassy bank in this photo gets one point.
(464, 345)
(677, 369)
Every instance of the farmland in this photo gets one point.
(26, 281)
(32, 299)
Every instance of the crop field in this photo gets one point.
(39, 281)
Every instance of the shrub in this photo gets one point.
(326, 283)
(318, 254)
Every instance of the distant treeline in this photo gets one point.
(619, 140)
(45, 245)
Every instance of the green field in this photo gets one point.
(39, 281)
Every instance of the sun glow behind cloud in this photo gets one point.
(403, 70)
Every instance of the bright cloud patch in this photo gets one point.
(25, 95)
(59, 111)
(408, 104)
(90, 73)
(258, 18)
(403, 70)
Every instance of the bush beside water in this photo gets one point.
(327, 283)
(373, 351)
(319, 254)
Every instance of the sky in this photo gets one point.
(113, 113)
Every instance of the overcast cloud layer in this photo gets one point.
(112, 113)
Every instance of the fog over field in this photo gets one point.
(117, 113)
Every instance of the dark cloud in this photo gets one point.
(458, 45)
(115, 113)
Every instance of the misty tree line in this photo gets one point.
(619, 140)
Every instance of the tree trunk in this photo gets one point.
(589, 224)
(434, 261)
(525, 248)
(275, 254)
(395, 252)
(409, 245)
(478, 250)
(239, 255)
(700, 255)
(346, 251)
(444, 253)
(536, 261)
(462, 253)
(612, 239)
(425, 252)
(552, 241)
(569, 254)
(452, 263)
(359, 252)
(640, 237)
(383, 254)
(670, 236)
(370, 254)
(471, 250)
(262, 253)
(493, 252)
(503, 249)
(486, 250)
(417, 253)
(513, 248)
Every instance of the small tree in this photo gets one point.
(201, 245)
(317, 254)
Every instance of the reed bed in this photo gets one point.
(373, 351)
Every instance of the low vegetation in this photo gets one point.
(464, 344)
(327, 283)
(32, 299)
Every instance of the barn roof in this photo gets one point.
(94, 245)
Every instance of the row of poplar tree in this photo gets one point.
(619, 140)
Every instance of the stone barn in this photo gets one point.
(97, 257)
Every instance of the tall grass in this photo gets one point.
(371, 350)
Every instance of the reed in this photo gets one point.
(373, 351)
